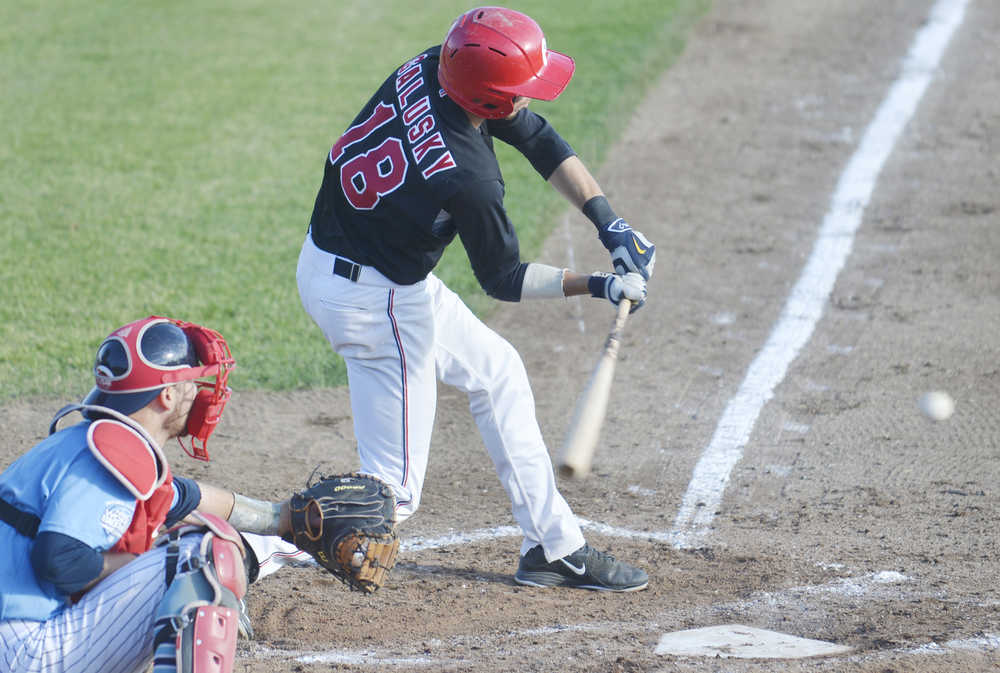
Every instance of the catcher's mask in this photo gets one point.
(492, 55)
(137, 360)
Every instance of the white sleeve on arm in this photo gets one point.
(542, 282)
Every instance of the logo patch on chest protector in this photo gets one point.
(116, 519)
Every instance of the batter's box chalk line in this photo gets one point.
(467, 537)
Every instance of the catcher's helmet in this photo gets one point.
(492, 54)
(139, 359)
(130, 363)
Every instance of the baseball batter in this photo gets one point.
(415, 169)
(87, 582)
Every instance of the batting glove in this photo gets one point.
(631, 252)
(631, 286)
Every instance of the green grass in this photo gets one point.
(162, 158)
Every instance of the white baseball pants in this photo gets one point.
(397, 342)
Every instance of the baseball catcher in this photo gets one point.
(84, 587)
(347, 523)
(110, 562)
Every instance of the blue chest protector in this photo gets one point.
(60, 482)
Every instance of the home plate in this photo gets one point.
(743, 642)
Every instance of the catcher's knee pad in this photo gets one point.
(202, 611)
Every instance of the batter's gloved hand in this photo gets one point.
(630, 250)
(613, 287)
(348, 524)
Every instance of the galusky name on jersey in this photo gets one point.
(369, 176)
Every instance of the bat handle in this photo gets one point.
(624, 308)
(615, 336)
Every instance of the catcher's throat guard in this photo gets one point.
(348, 524)
(217, 362)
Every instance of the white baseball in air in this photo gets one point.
(937, 405)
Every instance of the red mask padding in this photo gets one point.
(213, 353)
(204, 416)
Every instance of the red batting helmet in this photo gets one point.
(492, 54)
(139, 359)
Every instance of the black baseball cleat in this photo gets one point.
(586, 568)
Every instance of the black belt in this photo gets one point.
(346, 269)
(24, 523)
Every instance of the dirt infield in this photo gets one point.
(850, 518)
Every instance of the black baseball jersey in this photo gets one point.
(412, 171)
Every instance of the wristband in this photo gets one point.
(598, 285)
(599, 211)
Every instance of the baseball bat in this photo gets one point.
(592, 406)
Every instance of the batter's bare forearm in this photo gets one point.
(575, 283)
(575, 182)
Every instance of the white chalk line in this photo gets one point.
(804, 306)
(875, 587)
(349, 657)
(576, 301)
(452, 539)
(466, 537)
(988, 642)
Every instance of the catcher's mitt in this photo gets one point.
(355, 537)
